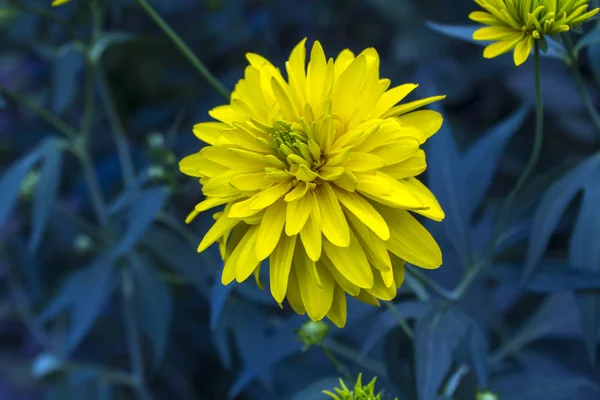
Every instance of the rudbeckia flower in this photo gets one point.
(317, 174)
(517, 24)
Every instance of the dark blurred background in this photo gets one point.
(66, 306)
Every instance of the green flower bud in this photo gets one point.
(83, 243)
(359, 392)
(156, 140)
(156, 172)
(313, 333)
(487, 395)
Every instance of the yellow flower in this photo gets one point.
(516, 24)
(59, 2)
(317, 174)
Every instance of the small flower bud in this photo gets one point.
(156, 172)
(487, 395)
(156, 140)
(29, 183)
(313, 333)
(83, 243)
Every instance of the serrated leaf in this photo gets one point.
(481, 160)
(10, 181)
(93, 290)
(106, 40)
(437, 335)
(46, 192)
(590, 38)
(553, 204)
(68, 64)
(447, 180)
(584, 255)
(142, 213)
(465, 32)
(154, 305)
(315, 390)
(218, 297)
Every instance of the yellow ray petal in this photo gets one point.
(219, 228)
(269, 196)
(317, 302)
(391, 98)
(364, 211)
(414, 166)
(337, 312)
(297, 214)
(433, 210)
(351, 262)
(270, 230)
(280, 263)
(427, 122)
(333, 222)
(247, 261)
(311, 232)
(293, 294)
(375, 248)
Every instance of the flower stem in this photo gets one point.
(120, 138)
(336, 363)
(41, 112)
(585, 96)
(184, 49)
(470, 276)
(133, 338)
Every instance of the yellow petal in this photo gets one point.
(280, 263)
(346, 88)
(501, 47)
(270, 229)
(242, 209)
(238, 244)
(219, 228)
(433, 210)
(251, 182)
(364, 211)
(367, 298)
(337, 312)
(296, 70)
(317, 302)
(293, 294)
(494, 33)
(351, 262)
(414, 166)
(333, 222)
(247, 262)
(397, 151)
(410, 240)
(344, 283)
(297, 214)
(342, 61)
(375, 248)
(391, 98)
(413, 105)
(316, 75)
(388, 191)
(380, 290)
(362, 162)
(209, 132)
(269, 196)
(426, 122)
(522, 50)
(311, 232)
(224, 114)
(243, 139)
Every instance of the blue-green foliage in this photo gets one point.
(116, 303)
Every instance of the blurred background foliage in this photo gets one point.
(103, 296)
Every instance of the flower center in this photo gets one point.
(293, 144)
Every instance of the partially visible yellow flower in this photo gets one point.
(516, 24)
(317, 175)
(359, 392)
(59, 2)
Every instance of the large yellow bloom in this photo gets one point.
(516, 24)
(317, 174)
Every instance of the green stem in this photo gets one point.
(400, 319)
(336, 363)
(91, 179)
(365, 362)
(585, 96)
(184, 49)
(41, 112)
(133, 337)
(117, 128)
(510, 199)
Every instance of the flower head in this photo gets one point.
(517, 24)
(317, 174)
(359, 392)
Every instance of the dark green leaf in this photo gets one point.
(481, 160)
(552, 206)
(68, 64)
(93, 290)
(584, 255)
(10, 181)
(46, 191)
(437, 336)
(154, 305)
(551, 277)
(143, 212)
(590, 38)
(218, 297)
(106, 40)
